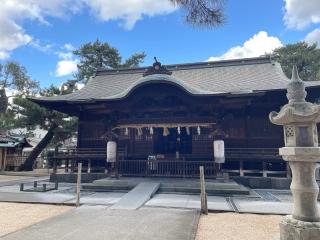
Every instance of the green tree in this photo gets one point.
(58, 125)
(305, 56)
(203, 13)
(13, 77)
(101, 55)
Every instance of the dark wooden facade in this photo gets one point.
(243, 118)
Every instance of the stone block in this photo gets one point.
(291, 229)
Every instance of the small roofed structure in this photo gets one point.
(168, 114)
(11, 148)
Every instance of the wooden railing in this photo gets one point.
(13, 162)
(234, 153)
(172, 168)
(253, 153)
(188, 165)
(80, 153)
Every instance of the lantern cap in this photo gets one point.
(296, 90)
(298, 110)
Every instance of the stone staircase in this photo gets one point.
(169, 185)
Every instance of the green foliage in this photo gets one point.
(32, 115)
(306, 57)
(13, 77)
(7, 121)
(203, 13)
(101, 55)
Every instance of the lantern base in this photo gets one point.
(292, 229)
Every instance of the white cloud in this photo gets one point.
(66, 67)
(313, 37)
(258, 45)
(67, 64)
(299, 14)
(129, 11)
(11, 37)
(68, 47)
(14, 12)
(46, 48)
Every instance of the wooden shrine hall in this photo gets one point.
(169, 120)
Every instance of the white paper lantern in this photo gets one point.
(111, 151)
(188, 131)
(199, 130)
(218, 147)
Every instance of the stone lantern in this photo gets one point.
(299, 119)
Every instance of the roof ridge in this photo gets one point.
(194, 65)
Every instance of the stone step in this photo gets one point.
(137, 196)
(179, 187)
(209, 191)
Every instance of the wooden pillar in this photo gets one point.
(1, 158)
(54, 165)
(78, 184)
(5, 159)
(241, 168)
(66, 163)
(89, 166)
(204, 203)
(72, 165)
(264, 169)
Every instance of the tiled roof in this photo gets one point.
(13, 141)
(241, 76)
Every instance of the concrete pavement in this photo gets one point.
(137, 196)
(99, 222)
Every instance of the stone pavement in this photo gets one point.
(58, 198)
(99, 198)
(137, 196)
(99, 222)
(22, 179)
(262, 201)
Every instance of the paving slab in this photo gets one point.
(23, 197)
(23, 180)
(137, 196)
(188, 201)
(263, 207)
(106, 198)
(98, 223)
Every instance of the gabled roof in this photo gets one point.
(13, 141)
(239, 76)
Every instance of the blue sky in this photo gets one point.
(41, 34)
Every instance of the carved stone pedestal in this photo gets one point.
(304, 223)
(291, 229)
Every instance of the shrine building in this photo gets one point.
(169, 120)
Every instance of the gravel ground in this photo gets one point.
(14, 216)
(6, 178)
(231, 226)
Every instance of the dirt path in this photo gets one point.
(231, 226)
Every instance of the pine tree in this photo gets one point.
(305, 56)
(101, 55)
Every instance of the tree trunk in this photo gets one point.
(28, 164)
(3, 101)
